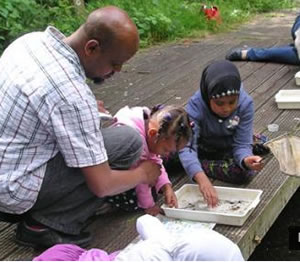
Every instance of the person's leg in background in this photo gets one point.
(281, 54)
(65, 202)
(278, 54)
(289, 54)
(295, 31)
(295, 27)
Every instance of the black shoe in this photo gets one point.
(11, 218)
(47, 237)
(260, 150)
(235, 54)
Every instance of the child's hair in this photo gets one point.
(173, 120)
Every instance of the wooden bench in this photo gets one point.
(170, 74)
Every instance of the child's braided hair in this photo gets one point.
(173, 120)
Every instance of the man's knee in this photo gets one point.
(134, 145)
(134, 138)
(123, 145)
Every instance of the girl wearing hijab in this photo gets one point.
(221, 147)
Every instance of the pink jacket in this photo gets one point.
(134, 117)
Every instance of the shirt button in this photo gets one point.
(220, 121)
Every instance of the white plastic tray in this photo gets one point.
(297, 78)
(229, 212)
(288, 99)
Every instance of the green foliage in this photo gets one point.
(160, 20)
(63, 16)
(18, 17)
(48, 3)
(267, 5)
(157, 20)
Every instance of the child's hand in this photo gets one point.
(254, 162)
(207, 189)
(170, 197)
(153, 211)
(101, 107)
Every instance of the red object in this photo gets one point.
(212, 13)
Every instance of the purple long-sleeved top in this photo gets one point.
(235, 133)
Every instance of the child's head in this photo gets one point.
(220, 87)
(169, 129)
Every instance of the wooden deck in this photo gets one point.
(170, 74)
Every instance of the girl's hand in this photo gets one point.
(153, 211)
(170, 197)
(101, 107)
(254, 162)
(207, 189)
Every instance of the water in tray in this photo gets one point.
(224, 206)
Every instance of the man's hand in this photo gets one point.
(151, 172)
(207, 189)
(254, 162)
(170, 197)
(103, 181)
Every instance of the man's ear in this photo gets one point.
(91, 47)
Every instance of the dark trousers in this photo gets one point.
(64, 202)
(226, 170)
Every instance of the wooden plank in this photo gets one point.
(167, 72)
(269, 111)
(177, 90)
(141, 93)
(157, 62)
(9, 249)
(257, 230)
(270, 87)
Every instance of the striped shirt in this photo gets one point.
(46, 107)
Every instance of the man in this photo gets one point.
(56, 165)
(288, 54)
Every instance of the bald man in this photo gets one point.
(56, 164)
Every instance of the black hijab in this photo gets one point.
(219, 79)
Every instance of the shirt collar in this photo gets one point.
(55, 38)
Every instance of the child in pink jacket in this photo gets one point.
(164, 130)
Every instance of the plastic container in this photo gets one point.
(106, 119)
(226, 213)
(273, 127)
(297, 78)
(288, 99)
(104, 116)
